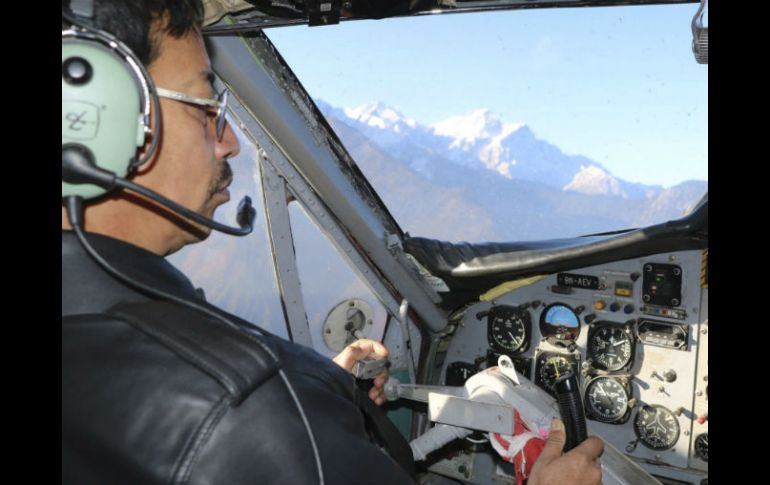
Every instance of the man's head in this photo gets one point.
(189, 165)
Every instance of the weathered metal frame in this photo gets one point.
(252, 19)
(276, 198)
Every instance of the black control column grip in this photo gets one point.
(571, 409)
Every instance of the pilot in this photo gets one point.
(156, 392)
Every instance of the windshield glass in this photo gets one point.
(517, 125)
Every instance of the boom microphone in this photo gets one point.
(77, 167)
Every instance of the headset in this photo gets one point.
(109, 108)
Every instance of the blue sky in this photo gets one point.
(616, 84)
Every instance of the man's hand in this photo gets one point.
(359, 350)
(576, 467)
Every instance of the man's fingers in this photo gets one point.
(555, 443)
(359, 350)
(363, 348)
(381, 378)
(346, 358)
(366, 346)
(380, 349)
(592, 446)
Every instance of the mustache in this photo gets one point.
(225, 178)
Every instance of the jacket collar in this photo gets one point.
(88, 288)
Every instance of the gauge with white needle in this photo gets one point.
(610, 347)
(656, 427)
(508, 328)
(606, 400)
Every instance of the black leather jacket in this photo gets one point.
(153, 392)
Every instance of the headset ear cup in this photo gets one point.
(102, 107)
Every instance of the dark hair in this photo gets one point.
(132, 21)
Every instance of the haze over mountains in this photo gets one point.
(475, 177)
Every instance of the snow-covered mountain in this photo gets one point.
(378, 115)
(482, 178)
(480, 139)
(479, 136)
(594, 180)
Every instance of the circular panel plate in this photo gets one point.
(346, 323)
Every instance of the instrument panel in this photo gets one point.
(633, 331)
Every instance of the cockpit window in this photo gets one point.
(331, 287)
(518, 125)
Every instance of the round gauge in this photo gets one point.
(606, 399)
(656, 427)
(551, 368)
(609, 347)
(702, 447)
(560, 322)
(508, 328)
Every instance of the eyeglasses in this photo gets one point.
(220, 103)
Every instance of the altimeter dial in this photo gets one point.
(606, 399)
(610, 347)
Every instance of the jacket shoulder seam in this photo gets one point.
(189, 456)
